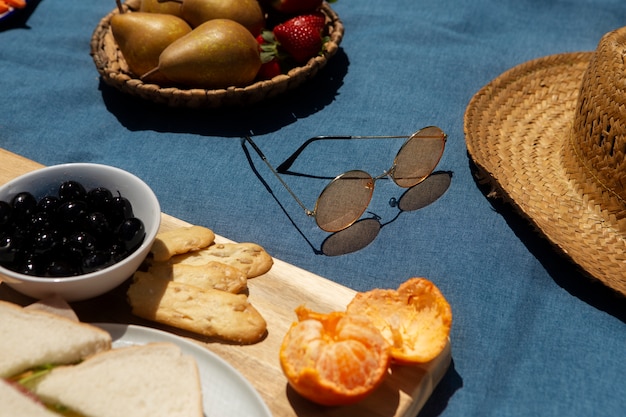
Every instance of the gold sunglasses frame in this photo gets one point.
(370, 185)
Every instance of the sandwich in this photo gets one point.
(152, 380)
(18, 403)
(34, 337)
(53, 365)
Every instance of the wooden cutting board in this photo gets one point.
(276, 295)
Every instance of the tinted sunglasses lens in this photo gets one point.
(419, 156)
(344, 200)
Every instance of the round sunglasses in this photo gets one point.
(344, 200)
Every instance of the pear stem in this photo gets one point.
(119, 6)
(149, 73)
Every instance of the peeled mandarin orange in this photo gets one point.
(415, 319)
(333, 359)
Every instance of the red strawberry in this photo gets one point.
(270, 56)
(269, 70)
(295, 6)
(301, 36)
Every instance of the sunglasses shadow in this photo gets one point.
(364, 231)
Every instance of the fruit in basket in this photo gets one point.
(160, 6)
(415, 319)
(269, 70)
(142, 36)
(291, 43)
(217, 54)
(301, 36)
(333, 359)
(246, 12)
(295, 6)
(270, 56)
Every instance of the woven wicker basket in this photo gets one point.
(114, 71)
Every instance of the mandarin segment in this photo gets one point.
(334, 359)
(415, 319)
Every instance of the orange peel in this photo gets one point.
(415, 319)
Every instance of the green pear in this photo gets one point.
(246, 12)
(142, 36)
(161, 6)
(219, 53)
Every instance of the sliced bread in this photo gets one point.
(32, 337)
(16, 403)
(152, 380)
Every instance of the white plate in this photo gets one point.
(225, 392)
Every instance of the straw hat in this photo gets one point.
(550, 135)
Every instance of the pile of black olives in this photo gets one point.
(72, 233)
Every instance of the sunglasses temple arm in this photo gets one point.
(277, 175)
(284, 167)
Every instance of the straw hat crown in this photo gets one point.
(595, 155)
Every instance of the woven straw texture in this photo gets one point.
(598, 141)
(549, 136)
(114, 71)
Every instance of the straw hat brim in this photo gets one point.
(515, 130)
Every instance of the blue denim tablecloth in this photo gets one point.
(531, 336)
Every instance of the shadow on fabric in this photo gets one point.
(565, 273)
(265, 117)
(363, 232)
(438, 400)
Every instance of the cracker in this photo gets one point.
(208, 312)
(250, 258)
(212, 275)
(181, 240)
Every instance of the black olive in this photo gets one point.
(120, 209)
(72, 213)
(6, 211)
(24, 205)
(31, 264)
(131, 232)
(72, 191)
(41, 220)
(47, 241)
(61, 268)
(95, 261)
(118, 251)
(7, 248)
(79, 244)
(22, 233)
(48, 204)
(97, 225)
(98, 198)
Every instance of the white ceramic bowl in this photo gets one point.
(46, 181)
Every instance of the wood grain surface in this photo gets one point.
(276, 295)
